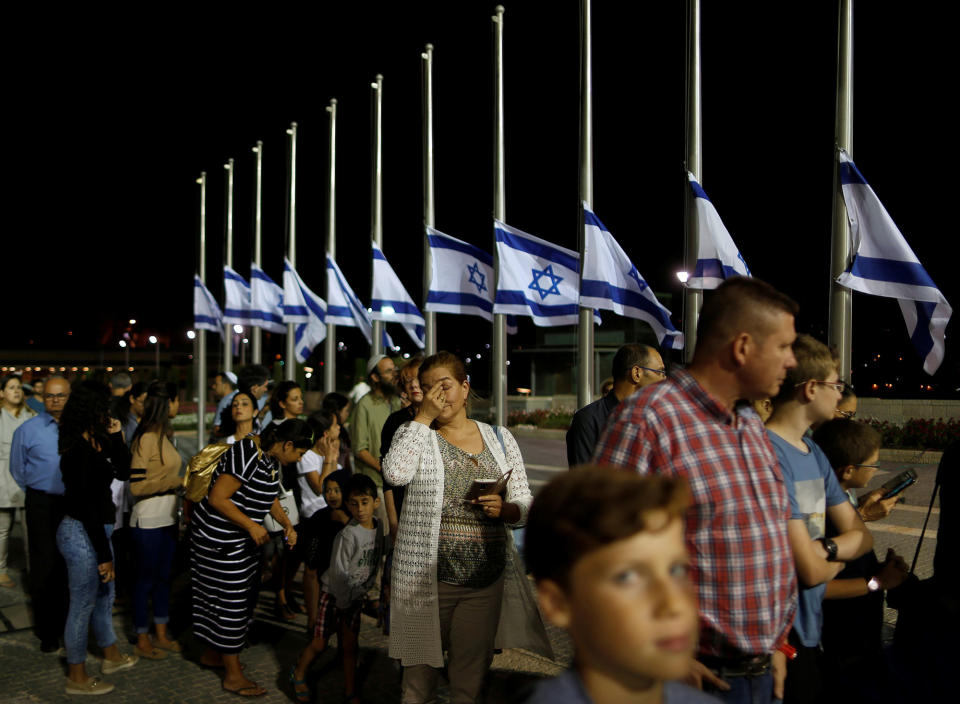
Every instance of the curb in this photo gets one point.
(911, 456)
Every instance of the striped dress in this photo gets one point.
(224, 560)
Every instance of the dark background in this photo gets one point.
(114, 114)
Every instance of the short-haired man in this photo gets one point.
(35, 399)
(120, 383)
(35, 467)
(634, 366)
(736, 530)
(224, 383)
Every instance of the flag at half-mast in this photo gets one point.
(717, 256)
(266, 301)
(312, 331)
(345, 309)
(390, 302)
(612, 282)
(461, 278)
(538, 279)
(885, 265)
(236, 309)
(206, 312)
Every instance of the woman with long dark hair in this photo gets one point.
(92, 455)
(226, 532)
(14, 412)
(340, 404)
(238, 418)
(286, 401)
(154, 480)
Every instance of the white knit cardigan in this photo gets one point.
(414, 459)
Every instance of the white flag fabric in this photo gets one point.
(236, 309)
(390, 301)
(266, 301)
(612, 282)
(311, 333)
(461, 280)
(343, 306)
(717, 256)
(206, 312)
(294, 305)
(885, 265)
(537, 278)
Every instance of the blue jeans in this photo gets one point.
(154, 548)
(746, 690)
(91, 601)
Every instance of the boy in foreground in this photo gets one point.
(607, 551)
(808, 396)
(357, 550)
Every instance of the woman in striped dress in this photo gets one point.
(226, 533)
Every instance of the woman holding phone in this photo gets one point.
(92, 454)
(454, 558)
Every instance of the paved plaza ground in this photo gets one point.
(26, 675)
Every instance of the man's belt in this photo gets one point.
(745, 666)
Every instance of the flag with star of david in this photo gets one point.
(537, 278)
(461, 280)
(345, 309)
(236, 309)
(266, 301)
(390, 302)
(206, 312)
(301, 300)
(717, 256)
(612, 282)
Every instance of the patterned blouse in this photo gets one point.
(472, 547)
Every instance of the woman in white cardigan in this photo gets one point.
(457, 581)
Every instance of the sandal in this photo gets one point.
(249, 691)
(170, 646)
(303, 696)
(152, 654)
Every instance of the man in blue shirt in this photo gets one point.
(35, 467)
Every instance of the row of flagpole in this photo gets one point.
(463, 279)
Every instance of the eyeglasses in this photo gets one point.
(58, 397)
(846, 414)
(661, 372)
(838, 386)
(867, 466)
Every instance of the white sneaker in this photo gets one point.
(94, 685)
(125, 662)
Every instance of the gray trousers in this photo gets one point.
(468, 626)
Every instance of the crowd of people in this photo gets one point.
(708, 542)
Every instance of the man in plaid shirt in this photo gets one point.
(692, 426)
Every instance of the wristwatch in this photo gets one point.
(831, 547)
(873, 584)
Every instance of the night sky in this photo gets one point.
(116, 115)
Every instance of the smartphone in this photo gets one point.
(899, 483)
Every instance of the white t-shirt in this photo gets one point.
(310, 501)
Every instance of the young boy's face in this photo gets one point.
(826, 396)
(361, 507)
(331, 492)
(629, 607)
(858, 476)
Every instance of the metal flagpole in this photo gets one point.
(330, 346)
(291, 359)
(841, 299)
(585, 327)
(692, 298)
(201, 358)
(228, 327)
(256, 338)
(428, 214)
(498, 376)
(376, 202)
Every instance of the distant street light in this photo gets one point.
(132, 321)
(156, 343)
(191, 335)
(683, 276)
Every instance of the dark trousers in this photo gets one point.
(48, 573)
(155, 548)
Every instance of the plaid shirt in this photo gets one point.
(736, 534)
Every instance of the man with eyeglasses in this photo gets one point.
(35, 466)
(634, 366)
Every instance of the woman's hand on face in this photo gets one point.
(113, 426)
(330, 447)
(258, 534)
(491, 505)
(290, 534)
(106, 572)
(432, 404)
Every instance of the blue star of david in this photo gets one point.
(554, 281)
(475, 274)
(635, 275)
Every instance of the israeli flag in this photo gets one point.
(294, 304)
(266, 302)
(311, 333)
(612, 282)
(206, 312)
(237, 307)
(343, 306)
(537, 278)
(884, 265)
(717, 256)
(390, 301)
